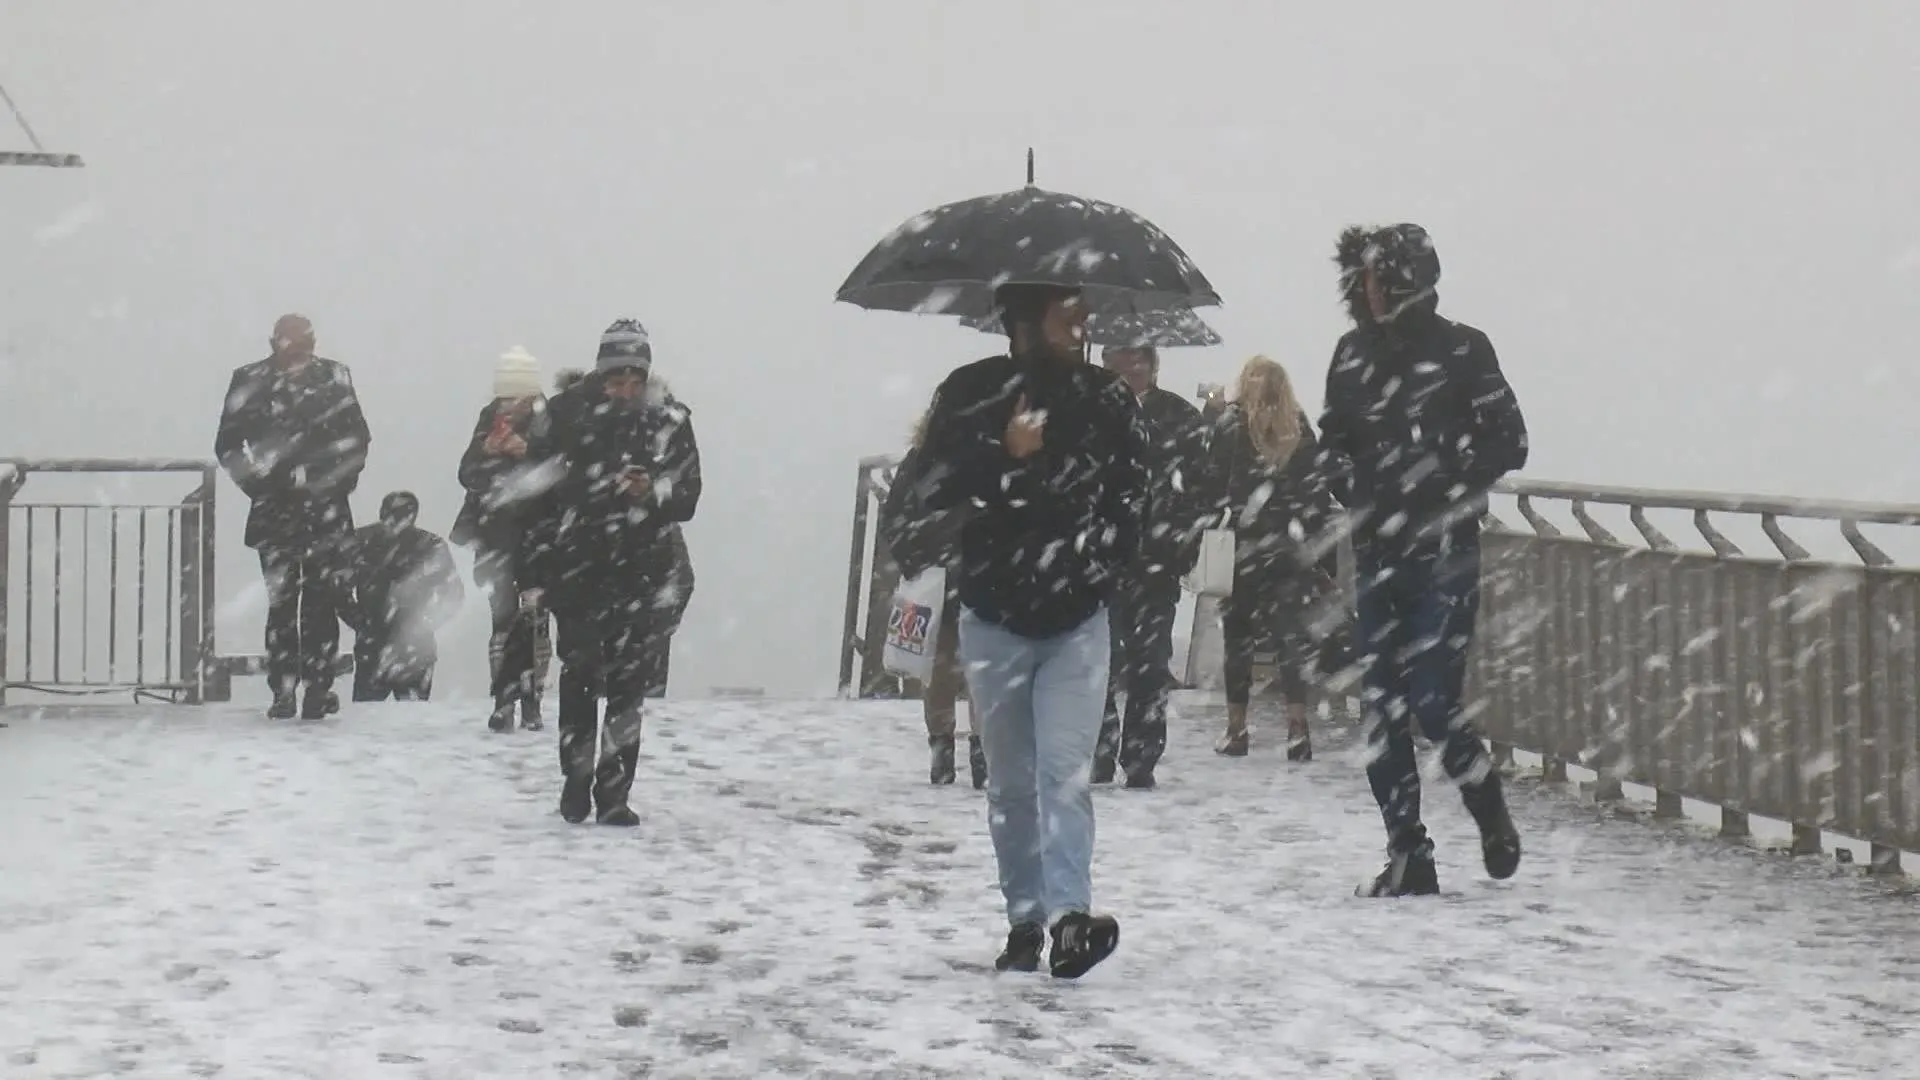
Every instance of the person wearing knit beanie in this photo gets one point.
(624, 346)
(516, 375)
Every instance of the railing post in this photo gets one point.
(856, 567)
(11, 477)
(216, 679)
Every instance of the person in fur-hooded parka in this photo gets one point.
(1419, 423)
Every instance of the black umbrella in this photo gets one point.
(1172, 329)
(950, 259)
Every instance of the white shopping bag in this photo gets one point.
(1212, 574)
(913, 625)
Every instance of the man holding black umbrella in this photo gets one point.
(1048, 450)
(1148, 592)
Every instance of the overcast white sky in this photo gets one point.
(1690, 228)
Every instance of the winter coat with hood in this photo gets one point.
(503, 493)
(1419, 421)
(592, 548)
(1048, 535)
(295, 442)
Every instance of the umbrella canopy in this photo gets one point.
(949, 260)
(1175, 328)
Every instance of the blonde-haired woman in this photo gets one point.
(1262, 460)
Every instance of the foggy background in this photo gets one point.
(1690, 229)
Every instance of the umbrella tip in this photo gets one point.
(1029, 166)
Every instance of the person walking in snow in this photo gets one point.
(1419, 423)
(1048, 450)
(629, 469)
(676, 592)
(506, 468)
(405, 588)
(294, 440)
(1263, 470)
(1147, 593)
(920, 541)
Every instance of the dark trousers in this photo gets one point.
(384, 667)
(1140, 618)
(1417, 603)
(602, 655)
(511, 654)
(304, 594)
(1271, 605)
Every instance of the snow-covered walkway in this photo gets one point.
(389, 893)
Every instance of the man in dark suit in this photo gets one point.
(293, 438)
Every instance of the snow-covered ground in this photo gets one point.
(389, 893)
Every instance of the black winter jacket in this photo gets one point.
(1047, 536)
(592, 548)
(1177, 505)
(404, 585)
(1419, 421)
(295, 444)
(503, 493)
(1280, 513)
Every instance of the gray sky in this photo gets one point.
(1689, 227)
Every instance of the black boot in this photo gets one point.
(576, 797)
(1499, 840)
(1080, 941)
(1024, 944)
(941, 771)
(1409, 870)
(286, 704)
(977, 762)
(613, 780)
(501, 721)
(318, 703)
(530, 714)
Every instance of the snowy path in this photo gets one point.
(389, 894)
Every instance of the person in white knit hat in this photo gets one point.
(501, 471)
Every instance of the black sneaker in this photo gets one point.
(285, 705)
(1081, 941)
(576, 799)
(1499, 840)
(977, 762)
(332, 704)
(1407, 873)
(1141, 780)
(619, 816)
(501, 721)
(1024, 943)
(941, 770)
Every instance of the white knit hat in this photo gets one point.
(517, 375)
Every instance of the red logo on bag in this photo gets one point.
(908, 626)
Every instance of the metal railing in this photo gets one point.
(101, 596)
(1770, 683)
(1765, 683)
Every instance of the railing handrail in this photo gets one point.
(1865, 513)
(94, 465)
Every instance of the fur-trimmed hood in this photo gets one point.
(1404, 258)
(659, 392)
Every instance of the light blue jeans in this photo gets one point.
(1037, 706)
